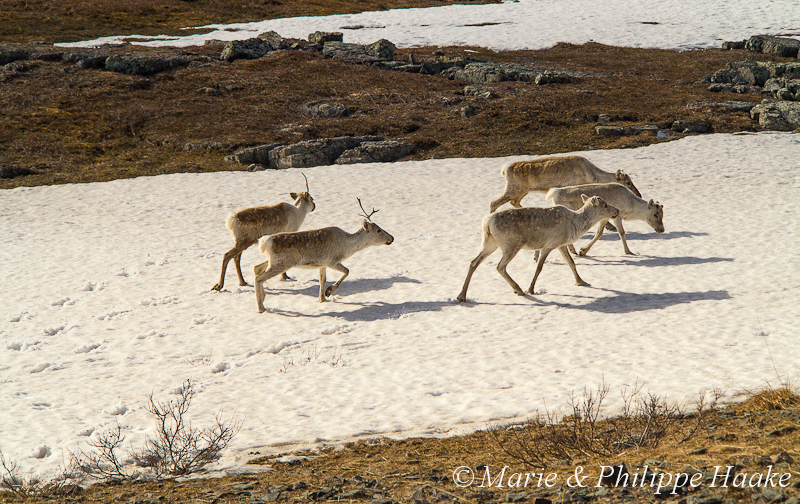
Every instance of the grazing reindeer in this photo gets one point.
(631, 207)
(250, 224)
(544, 229)
(544, 173)
(318, 248)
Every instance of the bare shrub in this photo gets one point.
(645, 421)
(65, 483)
(178, 449)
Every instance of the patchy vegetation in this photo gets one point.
(65, 124)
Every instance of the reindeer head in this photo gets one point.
(655, 215)
(304, 197)
(624, 179)
(605, 210)
(378, 235)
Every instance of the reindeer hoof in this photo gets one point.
(582, 284)
(461, 299)
(583, 252)
(328, 292)
(217, 287)
(261, 309)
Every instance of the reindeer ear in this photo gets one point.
(366, 224)
(293, 195)
(651, 204)
(584, 198)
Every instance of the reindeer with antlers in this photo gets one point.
(318, 248)
(250, 224)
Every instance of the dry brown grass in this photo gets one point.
(74, 125)
(72, 20)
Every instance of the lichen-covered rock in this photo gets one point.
(319, 37)
(254, 155)
(131, 64)
(253, 48)
(381, 49)
(690, 127)
(777, 116)
(441, 64)
(275, 41)
(315, 152)
(767, 44)
(755, 75)
(325, 110)
(376, 152)
(7, 55)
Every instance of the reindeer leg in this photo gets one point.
(264, 272)
(508, 255)
(488, 247)
(236, 261)
(539, 264)
(597, 236)
(330, 291)
(571, 248)
(618, 222)
(568, 258)
(323, 278)
(236, 251)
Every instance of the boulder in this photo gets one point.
(734, 45)
(381, 49)
(376, 152)
(356, 53)
(253, 48)
(767, 44)
(440, 64)
(320, 38)
(325, 110)
(315, 152)
(755, 75)
(8, 54)
(131, 64)
(690, 127)
(777, 116)
(254, 155)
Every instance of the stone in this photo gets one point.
(325, 110)
(143, 65)
(777, 116)
(319, 37)
(734, 45)
(252, 48)
(8, 55)
(384, 151)
(254, 155)
(275, 41)
(755, 76)
(381, 49)
(9, 173)
(467, 111)
(737, 106)
(767, 44)
(315, 152)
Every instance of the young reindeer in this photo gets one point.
(318, 248)
(544, 229)
(542, 174)
(250, 224)
(631, 207)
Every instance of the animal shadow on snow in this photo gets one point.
(655, 261)
(354, 286)
(628, 302)
(371, 311)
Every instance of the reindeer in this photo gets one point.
(542, 174)
(631, 207)
(544, 229)
(250, 224)
(318, 248)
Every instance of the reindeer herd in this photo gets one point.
(584, 195)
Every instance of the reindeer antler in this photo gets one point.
(365, 212)
(304, 176)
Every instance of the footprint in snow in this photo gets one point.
(40, 367)
(110, 315)
(63, 302)
(87, 348)
(52, 331)
(40, 452)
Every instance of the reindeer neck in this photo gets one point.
(586, 218)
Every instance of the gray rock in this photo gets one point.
(376, 152)
(690, 127)
(777, 116)
(737, 106)
(275, 41)
(357, 53)
(728, 76)
(131, 64)
(7, 55)
(252, 48)
(86, 60)
(254, 155)
(734, 45)
(755, 76)
(768, 44)
(320, 38)
(441, 64)
(381, 49)
(325, 110)
(467, 111)
(626, 130)
(315, 152)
